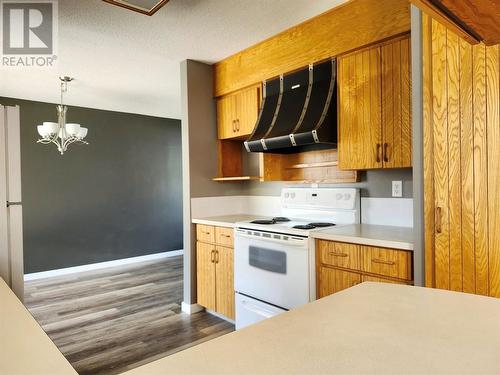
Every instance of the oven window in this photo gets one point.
(269, 260)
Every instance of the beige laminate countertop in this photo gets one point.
(372, 328)
(228, 221)
(25, 349)
(370, 235)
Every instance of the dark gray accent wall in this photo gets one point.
(118, 197)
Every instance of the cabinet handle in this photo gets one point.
(438, 220)
(343, 255)
(216, 256)
(212, 256)
(381, 261)
(238, 125)
(386, 152)
(207, 233)
(378, 152)
(225, 235)
(234, 126)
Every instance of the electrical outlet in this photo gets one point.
(397, 189)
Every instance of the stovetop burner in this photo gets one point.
(305, 226)
(322, 225)
(314, 225)
(281, 219)
(264, 222)
(274, 220)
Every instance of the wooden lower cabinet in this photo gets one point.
(205, 271)
(215, 271)
(224, 281)
(380, 280)
(342, 265)
(333, 280)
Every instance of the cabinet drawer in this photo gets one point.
(386, 262)
(339, 254)
(205, 233)
(224, 236)
(381, 280)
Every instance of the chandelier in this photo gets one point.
(60, 133)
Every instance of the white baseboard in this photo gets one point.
(191, 309)
(97, 266)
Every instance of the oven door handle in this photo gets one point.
(292, 242)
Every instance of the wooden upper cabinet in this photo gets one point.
(226, 115)
(374, 107)
(396, 104)
(360, 130)
(237, 113)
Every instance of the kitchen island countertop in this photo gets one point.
(372, 328)
(25, 349)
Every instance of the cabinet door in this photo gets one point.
(247, 110)
(224, 276)
(205, 274)
(360, 129)
(226, 116)
(333, 280)
(396, 104)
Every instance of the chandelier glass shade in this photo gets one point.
(61, 133)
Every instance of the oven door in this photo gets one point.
(271, 267)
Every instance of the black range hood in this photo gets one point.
(299, 111)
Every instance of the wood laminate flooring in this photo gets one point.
(111, 320)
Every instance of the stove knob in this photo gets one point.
(347, 196)
(292, 195)
(287, 195)
(338, 196)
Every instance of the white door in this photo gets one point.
(11, 213)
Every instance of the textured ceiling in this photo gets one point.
(125, 61)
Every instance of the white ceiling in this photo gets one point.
(128, 62)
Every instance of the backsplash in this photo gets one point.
(378, 211)
(387, 211)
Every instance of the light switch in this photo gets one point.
(397, 189)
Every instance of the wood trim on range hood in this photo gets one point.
(125, 5)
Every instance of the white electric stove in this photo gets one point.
(274, 263)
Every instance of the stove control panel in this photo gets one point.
(326, 198)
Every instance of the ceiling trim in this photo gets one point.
(153, 10)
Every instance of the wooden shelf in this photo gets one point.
(238, 178)
(313, 165)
